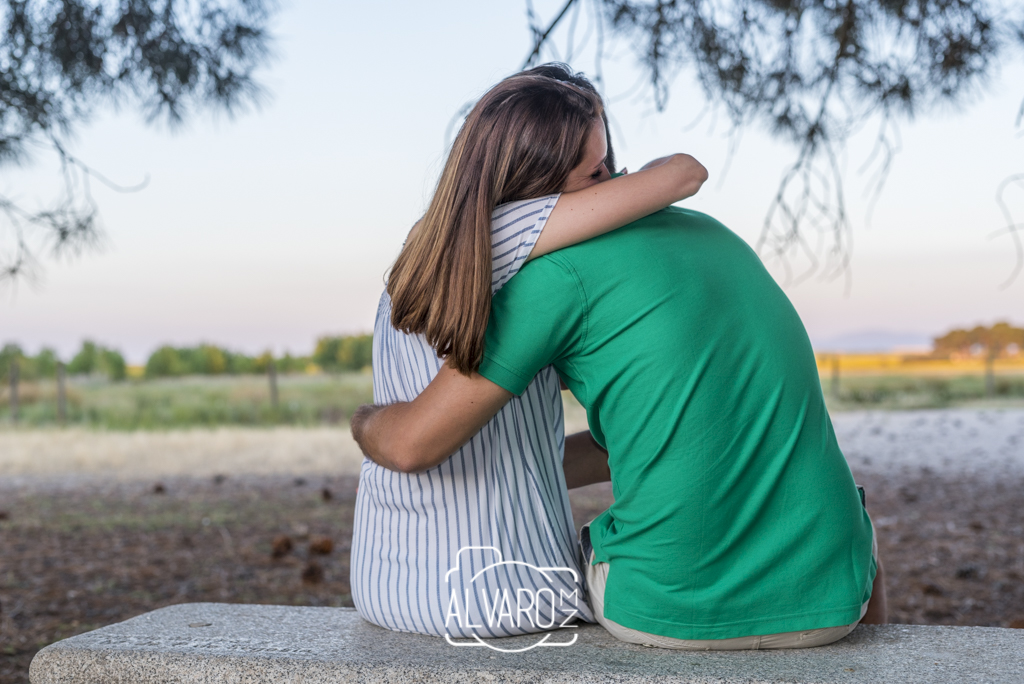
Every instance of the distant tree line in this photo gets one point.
(335, 354)
(90, 359)
(209, 359)
(1001, 339)
(332, 354)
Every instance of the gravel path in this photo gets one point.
(951, 442)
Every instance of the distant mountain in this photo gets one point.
(875, 341)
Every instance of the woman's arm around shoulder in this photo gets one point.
(605, 206)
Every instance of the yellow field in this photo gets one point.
(913, 364)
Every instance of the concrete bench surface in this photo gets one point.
(216, 642)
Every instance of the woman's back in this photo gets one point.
(504, 491)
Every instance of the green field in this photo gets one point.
(899, 392)
(205, 401)
(194, 401)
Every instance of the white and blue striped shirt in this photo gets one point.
(504, 491)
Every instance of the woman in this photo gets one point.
(525, 176)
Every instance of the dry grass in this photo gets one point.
(198, 453)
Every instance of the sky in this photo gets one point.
(270, 229)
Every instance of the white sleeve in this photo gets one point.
(515, 227)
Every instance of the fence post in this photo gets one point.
(14, 390)
(990, 375)
(62, 395)
(272, 373)
(835, 376)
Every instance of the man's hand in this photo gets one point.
(414, 436)
(360, 419)
(585, 461)
(372, 428)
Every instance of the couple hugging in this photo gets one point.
(736, 522)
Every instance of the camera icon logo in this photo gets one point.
(503, 598)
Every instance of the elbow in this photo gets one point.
(409, 457)
(414, 466)
(691, 175)
(392, 443)
(408, 465)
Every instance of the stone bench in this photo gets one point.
(225, 643)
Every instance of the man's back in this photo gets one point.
(735, 512)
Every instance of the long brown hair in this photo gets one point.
(520, 141)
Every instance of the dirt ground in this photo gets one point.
(75, 556)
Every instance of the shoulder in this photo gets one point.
(551, 278)
(511, 210)
(556, 266)
(515, 227)
(521, 213)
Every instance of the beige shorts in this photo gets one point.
(597, 579)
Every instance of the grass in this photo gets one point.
(305, 400)
(194, 401)
(899, 392)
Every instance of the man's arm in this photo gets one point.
(585, 462)
(411, 437)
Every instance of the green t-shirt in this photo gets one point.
(735, 512)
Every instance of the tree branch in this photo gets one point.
(540, 39)
(1012, 228)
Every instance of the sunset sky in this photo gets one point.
(276, 227)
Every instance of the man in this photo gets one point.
(736, 521)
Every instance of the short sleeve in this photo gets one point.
(515, 227)
(537, 319)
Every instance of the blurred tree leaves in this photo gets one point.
(1001, 339)
(335, 354)
(61, 60)
(810, 73)
(93, 358)
(209, 359)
